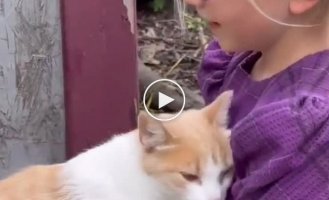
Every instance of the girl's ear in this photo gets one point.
(301, 6)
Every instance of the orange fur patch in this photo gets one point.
(195, 138)
(33, 183)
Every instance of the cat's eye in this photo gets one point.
(190, 177)
(224, 174)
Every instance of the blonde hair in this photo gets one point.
(180, 9)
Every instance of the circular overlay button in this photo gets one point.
(166, 94)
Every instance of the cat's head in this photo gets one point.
(190, 154)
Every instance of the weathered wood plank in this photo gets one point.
(31, 84)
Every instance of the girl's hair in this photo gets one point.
(319, 15)
(180, 9)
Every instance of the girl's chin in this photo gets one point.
(229, 47)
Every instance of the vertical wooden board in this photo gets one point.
(31, 84)
(100, 70)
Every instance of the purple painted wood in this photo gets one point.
(100, 71)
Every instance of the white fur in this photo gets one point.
(210, 188)
(112, 171)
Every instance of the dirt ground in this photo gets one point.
(165, 48)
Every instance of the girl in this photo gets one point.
(274, 54)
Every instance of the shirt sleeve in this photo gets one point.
(212, 70)
(282, 152)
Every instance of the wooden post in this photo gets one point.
(31, 85)
(100, 70)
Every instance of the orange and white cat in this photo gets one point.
(188, 158)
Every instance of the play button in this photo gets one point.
(164, 99)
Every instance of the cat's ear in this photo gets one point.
(218, 111)
(152, 134)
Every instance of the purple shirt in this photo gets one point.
(280, 126)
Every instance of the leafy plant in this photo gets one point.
(158, 5)
(194, 23)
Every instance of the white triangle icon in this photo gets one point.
(164, 100)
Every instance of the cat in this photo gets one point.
(188, 158)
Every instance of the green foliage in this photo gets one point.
(158, 5)
(194, 23)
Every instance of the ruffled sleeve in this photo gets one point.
(282, 151)
(212, 70)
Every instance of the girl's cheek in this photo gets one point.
(195, 3)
